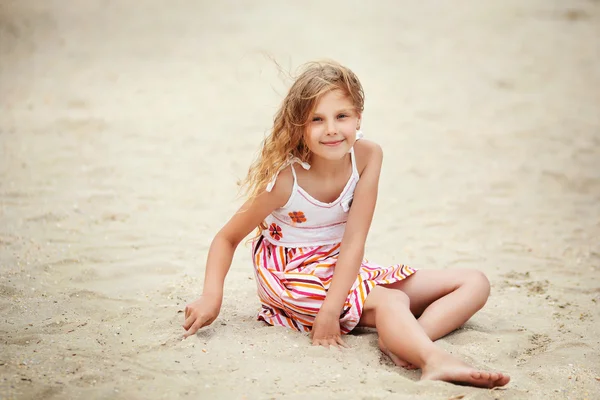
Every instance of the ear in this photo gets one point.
(358, 122)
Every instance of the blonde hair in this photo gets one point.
(286, 139)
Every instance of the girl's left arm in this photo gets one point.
(359, 221)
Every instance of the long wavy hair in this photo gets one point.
(286, 139)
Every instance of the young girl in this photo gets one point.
(312, 194)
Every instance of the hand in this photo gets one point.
(201, 313)
(326, 330)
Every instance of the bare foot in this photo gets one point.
(444, 367)
(399, 362)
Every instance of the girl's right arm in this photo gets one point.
(205, 309)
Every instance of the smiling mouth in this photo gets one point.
(332, 143)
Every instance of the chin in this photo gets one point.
(334, 155)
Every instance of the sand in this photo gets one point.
(124, 129)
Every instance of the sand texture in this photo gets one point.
(125, 126)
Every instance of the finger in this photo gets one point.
(193, 329)
(207, 322)
(186, 312)
(341, 342)
(188, 322)
(332, 342)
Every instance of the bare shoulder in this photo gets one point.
(367, 152)
(256, 209)
(283, 186)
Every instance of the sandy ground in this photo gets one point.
(124, 130)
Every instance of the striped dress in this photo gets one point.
(295, 257)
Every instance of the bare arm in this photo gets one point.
(247, 218)
(205, 310)
(357, 228)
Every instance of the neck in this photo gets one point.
(329, 168)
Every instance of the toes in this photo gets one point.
(398, 362)
(503, 380)
(499, 379)
(382, 347)
(476, 374)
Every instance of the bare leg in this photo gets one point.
(443, 301)
(400, 332)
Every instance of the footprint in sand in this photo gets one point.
(22, 340)
(523, 280)
(9, 292)
(538, 343)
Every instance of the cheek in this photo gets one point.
(312, 133)
(350, 125)
(311, 137)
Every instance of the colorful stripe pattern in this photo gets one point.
(293, 282)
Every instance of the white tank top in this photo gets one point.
(305, 221)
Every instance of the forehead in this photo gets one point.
(333, 99)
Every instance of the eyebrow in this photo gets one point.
(344, 110)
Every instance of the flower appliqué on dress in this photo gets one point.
(275, 231)
(297, 217)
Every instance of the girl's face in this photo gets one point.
(332, 126)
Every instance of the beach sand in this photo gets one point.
(124, 130)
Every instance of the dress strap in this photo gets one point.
(290, 162)
(359, 135)
(353, 158)
(294, 172)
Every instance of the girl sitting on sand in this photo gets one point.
(312, 194)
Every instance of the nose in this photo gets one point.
(331, 130)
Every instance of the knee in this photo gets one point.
(383, 301)
(395, 298)
(479, 285)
